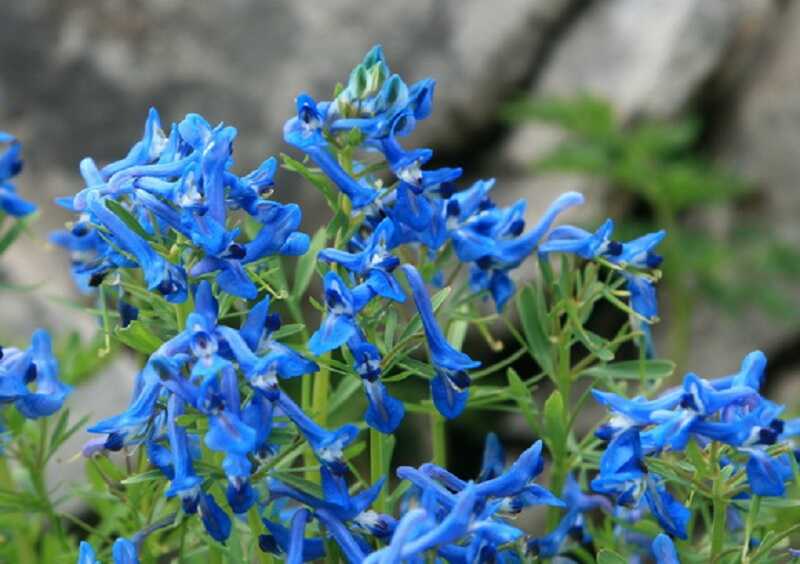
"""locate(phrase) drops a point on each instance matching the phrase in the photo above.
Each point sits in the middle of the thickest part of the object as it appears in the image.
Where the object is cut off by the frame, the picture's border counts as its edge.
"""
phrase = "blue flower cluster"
(727, 411)
(198, 371)
(10, 166)
(636, 259)
(425, 208)
(460, 521)
(29, 378)
(422, 211)
(169, 208)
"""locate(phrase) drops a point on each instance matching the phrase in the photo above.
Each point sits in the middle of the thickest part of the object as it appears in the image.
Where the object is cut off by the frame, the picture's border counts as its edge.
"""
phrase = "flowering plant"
(247, 438)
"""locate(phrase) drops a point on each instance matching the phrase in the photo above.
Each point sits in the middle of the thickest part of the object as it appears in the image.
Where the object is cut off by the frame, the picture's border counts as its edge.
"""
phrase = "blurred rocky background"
(77, 76)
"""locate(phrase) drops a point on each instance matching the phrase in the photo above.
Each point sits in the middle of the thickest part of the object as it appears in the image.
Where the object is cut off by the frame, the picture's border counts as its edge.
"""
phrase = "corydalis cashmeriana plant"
(243, 435)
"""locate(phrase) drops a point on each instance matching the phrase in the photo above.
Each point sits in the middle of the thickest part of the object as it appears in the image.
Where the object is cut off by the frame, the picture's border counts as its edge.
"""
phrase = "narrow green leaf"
(13, 233)
(138, 337)
(555, 425)
(127, 218)
(148, 476)
(610, 557)
(288, 330)
(530, 304)
(317, 179)
(306, 265)
(654, 369)
(522, 396)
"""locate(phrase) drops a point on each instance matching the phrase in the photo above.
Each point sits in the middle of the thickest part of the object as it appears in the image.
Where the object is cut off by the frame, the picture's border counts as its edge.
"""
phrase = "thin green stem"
(377, 466)
(720, 506)
(439, 438)
(755, 503)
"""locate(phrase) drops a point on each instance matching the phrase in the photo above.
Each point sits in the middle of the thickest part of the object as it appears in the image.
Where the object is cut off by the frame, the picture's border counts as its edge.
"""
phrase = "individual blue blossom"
(449, 387)
(328, 446)
(384, 412)
(341, 304)
(373, 264)
(159, 274)
(304, 131)
(86, 554)
(766, 475)
(215, 520)
(638, 253)
(493, 239)
(124, 552)
(10, 166)
(281, 540)
(265, 359)
(185, 483)
(571, 524)
(344, 516)
(29, 379)
(664, 550)
(374, 96)
(624, 475)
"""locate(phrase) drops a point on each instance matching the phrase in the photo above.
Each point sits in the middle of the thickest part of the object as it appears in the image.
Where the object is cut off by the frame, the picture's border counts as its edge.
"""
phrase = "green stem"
(21, 539)
(755, 503)
(720, 505)
(319, 408)
(322, 385)
(377, 466)
(439, 436)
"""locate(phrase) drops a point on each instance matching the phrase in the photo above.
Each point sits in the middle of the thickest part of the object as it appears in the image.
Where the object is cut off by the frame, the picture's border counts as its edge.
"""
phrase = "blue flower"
(328, 446)
(384, 412)
(664, 550)
(179, 187)
(49, 393)
(215, 520)
(124, 552)
(10, 166)
(86, 554)
(185, 483)
(304, 131)
(373, 263)
(160, 275)
(37, 367)
(624, 475)
(494, 240)
(767, 474)
(341, 304)
(449, 387)
(282, 540)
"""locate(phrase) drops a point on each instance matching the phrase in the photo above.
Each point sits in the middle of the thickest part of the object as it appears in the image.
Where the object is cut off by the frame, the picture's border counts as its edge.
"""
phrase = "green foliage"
(660, 164)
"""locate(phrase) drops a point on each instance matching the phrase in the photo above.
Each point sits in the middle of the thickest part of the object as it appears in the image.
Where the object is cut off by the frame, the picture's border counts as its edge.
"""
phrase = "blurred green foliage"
(659, 164)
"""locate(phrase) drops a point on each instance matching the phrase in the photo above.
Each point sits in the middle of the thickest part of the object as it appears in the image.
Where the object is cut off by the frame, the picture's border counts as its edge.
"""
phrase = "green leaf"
(316, 178)
(610, 557)
(148, 476)
(13, 232)
(127, 218)
(294, 480)
(654, 369)
(555, 425)
(138, 337)
(595, 343)
(522, 396)
(532, 314)
(306, 265)
(288, 330)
